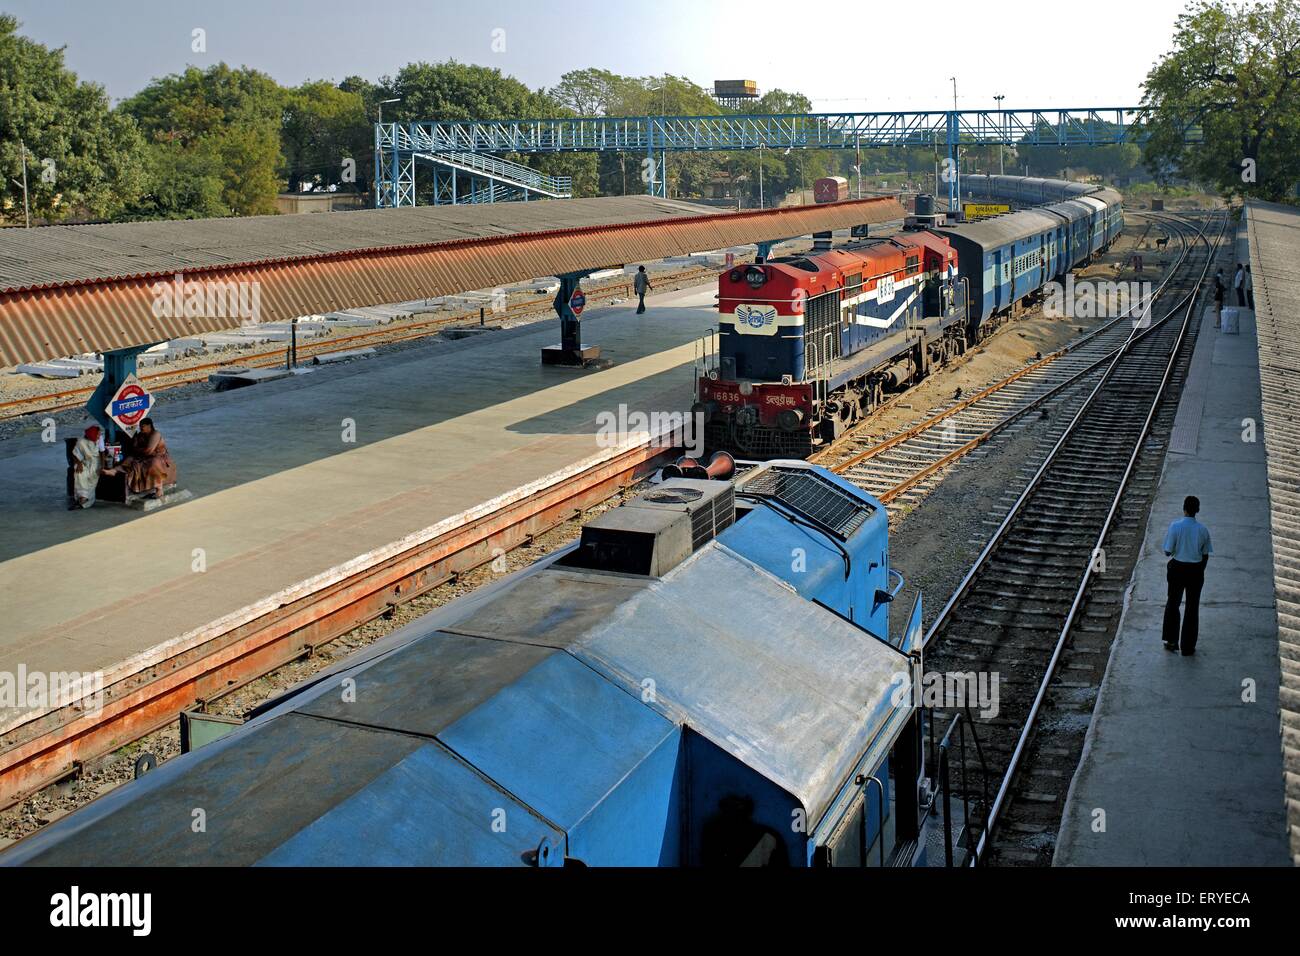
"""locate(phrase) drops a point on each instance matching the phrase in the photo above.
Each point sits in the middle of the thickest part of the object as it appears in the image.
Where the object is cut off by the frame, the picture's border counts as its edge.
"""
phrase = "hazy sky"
(863, 55)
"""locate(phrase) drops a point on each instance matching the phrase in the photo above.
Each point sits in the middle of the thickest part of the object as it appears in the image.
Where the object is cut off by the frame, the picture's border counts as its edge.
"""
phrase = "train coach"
(672, 689)
(808, 345)
(831, 189)
(1104, 207)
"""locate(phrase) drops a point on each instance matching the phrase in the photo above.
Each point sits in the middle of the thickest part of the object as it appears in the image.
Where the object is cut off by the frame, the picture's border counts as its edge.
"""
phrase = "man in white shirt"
(1188, 545)
(1239, 283)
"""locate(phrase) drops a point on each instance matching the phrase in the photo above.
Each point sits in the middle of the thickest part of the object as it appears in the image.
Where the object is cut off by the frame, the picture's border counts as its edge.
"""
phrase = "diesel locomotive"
(709, 676)
(809, 344)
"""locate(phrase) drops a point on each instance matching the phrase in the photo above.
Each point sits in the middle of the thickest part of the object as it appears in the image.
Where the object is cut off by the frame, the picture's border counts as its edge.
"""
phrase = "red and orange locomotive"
(808, 344)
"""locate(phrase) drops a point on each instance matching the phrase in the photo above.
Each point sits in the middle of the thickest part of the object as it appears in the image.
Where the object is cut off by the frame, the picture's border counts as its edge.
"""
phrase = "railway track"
(308, 349)
(1038, 608)
(905, 466)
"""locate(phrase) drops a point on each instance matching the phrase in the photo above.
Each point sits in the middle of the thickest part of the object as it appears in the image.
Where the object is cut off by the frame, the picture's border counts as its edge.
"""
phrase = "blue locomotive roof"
(1000, 230)
(539, 714)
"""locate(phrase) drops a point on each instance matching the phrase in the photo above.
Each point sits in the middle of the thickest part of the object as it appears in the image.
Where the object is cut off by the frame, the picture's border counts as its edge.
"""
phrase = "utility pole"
(396, 99)
(956, 149)
(27, 212)
(1002, 123)
(857, 156)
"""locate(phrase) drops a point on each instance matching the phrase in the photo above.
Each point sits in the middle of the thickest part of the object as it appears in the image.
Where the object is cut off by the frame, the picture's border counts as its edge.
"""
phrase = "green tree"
(82, 158)
(325, 125)
(181, 184)
(223, 121)
(1233, 72)
(459, 91)
(593, 92)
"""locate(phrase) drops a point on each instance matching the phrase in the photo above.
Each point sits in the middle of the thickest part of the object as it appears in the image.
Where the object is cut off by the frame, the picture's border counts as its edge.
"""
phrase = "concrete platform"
(299, 476)
(1182, 763)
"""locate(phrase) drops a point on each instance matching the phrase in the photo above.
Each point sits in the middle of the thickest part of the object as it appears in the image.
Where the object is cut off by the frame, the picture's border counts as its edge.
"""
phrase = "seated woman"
(85, 468)
(146, 463)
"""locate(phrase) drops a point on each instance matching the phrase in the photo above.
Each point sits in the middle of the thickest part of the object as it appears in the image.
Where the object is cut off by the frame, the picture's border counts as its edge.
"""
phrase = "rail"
(961, 451)
(1190, 300)
(1184, 306)
(14, 408)
(1016, 508)
(943, 782)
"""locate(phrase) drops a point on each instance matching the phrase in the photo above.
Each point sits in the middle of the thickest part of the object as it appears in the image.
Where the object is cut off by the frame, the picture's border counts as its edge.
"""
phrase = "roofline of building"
(93, 315)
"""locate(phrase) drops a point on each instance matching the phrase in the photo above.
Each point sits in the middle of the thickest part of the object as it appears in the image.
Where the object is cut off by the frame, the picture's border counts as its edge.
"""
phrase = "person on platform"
(1220, 288)
(1187, 543)
(1250, 290)
(85, 468)
(146, 463)
(1239, 283)
(641, 285)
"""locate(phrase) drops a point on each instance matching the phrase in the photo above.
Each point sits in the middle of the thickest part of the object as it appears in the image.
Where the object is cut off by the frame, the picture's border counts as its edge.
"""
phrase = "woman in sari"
(85, 467)
(147, 462)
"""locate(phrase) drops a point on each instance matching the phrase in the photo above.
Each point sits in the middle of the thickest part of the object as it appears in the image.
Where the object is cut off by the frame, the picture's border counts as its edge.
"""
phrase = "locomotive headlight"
(755, 277)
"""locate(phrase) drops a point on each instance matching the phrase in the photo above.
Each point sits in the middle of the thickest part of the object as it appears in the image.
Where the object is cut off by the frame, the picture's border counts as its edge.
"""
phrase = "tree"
(459, 91)
(181, 184)
(1234, 71)
(82, 159)
(324, 126)
(1113, 159)
(779, 101)
(592, 92)
(220, 121)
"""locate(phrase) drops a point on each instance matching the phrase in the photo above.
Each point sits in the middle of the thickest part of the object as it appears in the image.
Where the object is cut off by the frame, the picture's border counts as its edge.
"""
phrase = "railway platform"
(298, 485)
(1183, 764)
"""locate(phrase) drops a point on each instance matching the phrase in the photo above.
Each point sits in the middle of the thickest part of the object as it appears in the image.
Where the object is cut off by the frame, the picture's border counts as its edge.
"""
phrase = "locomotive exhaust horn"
(721, 467)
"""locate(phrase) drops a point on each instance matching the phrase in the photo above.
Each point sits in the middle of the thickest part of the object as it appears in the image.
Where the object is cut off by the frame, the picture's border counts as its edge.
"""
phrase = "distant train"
(673, 689)
(831, 189)
(809, 344)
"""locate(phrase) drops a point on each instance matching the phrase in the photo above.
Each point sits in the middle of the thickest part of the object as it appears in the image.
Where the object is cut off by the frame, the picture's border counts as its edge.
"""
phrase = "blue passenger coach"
(1060, 227)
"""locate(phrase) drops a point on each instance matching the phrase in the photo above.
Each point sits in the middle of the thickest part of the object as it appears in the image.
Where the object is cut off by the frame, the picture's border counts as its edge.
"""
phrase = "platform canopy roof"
(66, 290)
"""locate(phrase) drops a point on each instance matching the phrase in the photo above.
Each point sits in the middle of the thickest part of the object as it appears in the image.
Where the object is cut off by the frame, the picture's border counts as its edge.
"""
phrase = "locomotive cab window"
(913, 265)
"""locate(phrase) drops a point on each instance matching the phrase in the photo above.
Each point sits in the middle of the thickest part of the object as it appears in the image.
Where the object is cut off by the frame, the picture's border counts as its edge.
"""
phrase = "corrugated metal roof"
(70, 289)
(1274, 232)
(95, 253)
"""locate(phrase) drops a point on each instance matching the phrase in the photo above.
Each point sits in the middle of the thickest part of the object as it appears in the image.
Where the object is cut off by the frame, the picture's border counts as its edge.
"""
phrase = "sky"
(867, 55)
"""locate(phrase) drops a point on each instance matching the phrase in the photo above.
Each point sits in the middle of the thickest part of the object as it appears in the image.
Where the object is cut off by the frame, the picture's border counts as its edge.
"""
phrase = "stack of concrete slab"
(667, 265)
(546, 284)
(63, 367)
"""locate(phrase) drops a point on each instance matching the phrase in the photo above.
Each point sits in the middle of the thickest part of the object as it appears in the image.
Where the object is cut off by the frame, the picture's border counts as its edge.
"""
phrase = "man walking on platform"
(641, 285)
(1219, 289)
(1187, 544)
(1239, 283)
